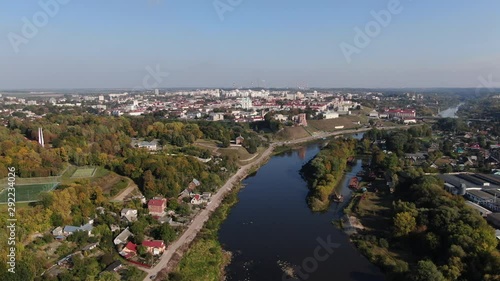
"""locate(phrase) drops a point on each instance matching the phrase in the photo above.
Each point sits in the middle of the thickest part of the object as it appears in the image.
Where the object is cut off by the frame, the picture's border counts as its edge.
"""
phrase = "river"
(271, 228)
(450, 112)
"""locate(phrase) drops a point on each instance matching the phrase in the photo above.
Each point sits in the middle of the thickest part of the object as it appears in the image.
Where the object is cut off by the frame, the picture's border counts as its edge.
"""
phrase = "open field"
(84, 172)
(28, 192)
(329, 124)
(374, 209)
(240, 153)
(293, 133)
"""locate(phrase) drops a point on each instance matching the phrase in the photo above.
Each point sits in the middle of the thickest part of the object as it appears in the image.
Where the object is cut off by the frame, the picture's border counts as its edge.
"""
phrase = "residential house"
(114, 266)
(58, 231)
(114, 228)
(206, 196)
(196, 200)
(90, 247)
(123, 237)
(157, 206)
(373, 114)
(155, 247)
(129, 251)
(87, 228)
(149, 145)
(70, 229)
(194, 184)
(239, 140)
(129, 214)
(216, 116)
(416, 157)
(331, 115)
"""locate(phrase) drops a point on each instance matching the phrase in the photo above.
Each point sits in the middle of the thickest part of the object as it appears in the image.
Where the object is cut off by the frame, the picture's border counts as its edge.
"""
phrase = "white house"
(123, 237)
(373, 114)
(330, 115)
(150, 145)
(129, 214)
(196, 200)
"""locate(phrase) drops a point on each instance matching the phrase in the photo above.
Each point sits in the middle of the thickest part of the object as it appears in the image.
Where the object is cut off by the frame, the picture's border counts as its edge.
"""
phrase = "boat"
(354, 183)
(351, 161)
(338, 198)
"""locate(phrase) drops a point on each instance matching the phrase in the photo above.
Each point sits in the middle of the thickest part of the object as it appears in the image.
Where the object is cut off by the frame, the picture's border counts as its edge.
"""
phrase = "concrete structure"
(330, 115)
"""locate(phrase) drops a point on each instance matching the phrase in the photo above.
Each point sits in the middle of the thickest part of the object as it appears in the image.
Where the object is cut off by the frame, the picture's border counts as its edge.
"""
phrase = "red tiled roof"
(131, 246)
(157, 202)
(153, 243)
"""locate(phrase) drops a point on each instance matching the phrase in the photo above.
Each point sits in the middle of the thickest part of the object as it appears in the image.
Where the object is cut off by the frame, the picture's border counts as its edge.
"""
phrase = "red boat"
(353, 183)
(351, 161)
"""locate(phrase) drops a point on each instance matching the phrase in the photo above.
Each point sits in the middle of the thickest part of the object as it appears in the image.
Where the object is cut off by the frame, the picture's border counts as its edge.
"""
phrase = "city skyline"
(229, 44)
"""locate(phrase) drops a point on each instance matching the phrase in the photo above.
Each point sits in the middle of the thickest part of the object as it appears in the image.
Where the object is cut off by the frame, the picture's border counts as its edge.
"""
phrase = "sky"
(248, 43)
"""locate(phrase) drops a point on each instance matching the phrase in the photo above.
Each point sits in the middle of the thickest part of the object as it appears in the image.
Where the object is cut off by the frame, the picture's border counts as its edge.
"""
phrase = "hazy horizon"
(232, 44)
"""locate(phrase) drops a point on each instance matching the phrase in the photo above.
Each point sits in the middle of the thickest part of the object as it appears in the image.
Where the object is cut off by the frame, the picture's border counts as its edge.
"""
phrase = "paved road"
(217, 198)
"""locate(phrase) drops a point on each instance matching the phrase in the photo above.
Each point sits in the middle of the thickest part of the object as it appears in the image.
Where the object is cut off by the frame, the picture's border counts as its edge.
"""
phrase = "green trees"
(404, 223)
(166, 233)
(456, 240)
(326, 170)
(426, 271)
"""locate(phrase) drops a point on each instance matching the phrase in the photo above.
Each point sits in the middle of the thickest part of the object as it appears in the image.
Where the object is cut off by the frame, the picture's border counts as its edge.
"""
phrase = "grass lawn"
(28, 192)
(19, 206)
(293, 133)
(203, 261)
(84, 172)
(118, 187)
(329, 124)
(374, 211)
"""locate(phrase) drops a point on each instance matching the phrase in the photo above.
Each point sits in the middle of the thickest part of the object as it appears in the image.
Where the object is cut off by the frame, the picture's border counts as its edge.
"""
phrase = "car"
(152, 276)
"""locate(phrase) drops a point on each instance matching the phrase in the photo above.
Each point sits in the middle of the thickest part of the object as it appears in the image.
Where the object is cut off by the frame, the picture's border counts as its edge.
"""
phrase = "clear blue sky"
(273, 43)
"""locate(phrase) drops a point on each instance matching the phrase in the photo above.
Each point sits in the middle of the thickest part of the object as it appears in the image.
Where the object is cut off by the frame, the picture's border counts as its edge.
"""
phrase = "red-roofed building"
(157, 207)
(196, 200)
(155, 247)
(402, 113)
(130, 250)
(475, 146)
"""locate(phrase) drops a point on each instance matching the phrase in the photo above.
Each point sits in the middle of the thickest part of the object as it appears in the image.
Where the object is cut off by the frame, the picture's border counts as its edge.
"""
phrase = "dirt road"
(130, 188)
(203, 216)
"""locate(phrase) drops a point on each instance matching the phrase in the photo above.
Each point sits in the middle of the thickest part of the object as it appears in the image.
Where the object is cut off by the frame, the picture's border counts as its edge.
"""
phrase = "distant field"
(292, 133)
(84, 172)
(330, 124)
(28, 192)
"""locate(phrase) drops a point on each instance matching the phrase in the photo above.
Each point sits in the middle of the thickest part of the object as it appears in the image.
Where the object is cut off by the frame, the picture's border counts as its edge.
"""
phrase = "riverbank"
(206, 259)
(176, 250)
(179, 247)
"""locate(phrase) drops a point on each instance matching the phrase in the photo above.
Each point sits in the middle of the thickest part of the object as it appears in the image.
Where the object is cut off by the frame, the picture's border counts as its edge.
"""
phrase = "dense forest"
(325, 171)
(447, 239)
(106, 142)
(423, 232)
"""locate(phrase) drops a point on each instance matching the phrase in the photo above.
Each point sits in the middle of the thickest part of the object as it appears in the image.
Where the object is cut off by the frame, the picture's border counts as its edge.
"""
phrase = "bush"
(383, 243)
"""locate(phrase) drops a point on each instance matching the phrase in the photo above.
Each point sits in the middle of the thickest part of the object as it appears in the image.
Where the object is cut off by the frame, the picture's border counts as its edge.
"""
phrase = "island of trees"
(326, 170)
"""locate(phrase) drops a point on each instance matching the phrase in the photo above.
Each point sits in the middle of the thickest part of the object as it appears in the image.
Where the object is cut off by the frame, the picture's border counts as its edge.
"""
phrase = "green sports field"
(28, 192)
(84, 172)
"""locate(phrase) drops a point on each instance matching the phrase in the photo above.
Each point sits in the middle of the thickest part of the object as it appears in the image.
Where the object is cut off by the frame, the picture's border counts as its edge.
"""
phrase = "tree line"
(325, 171)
